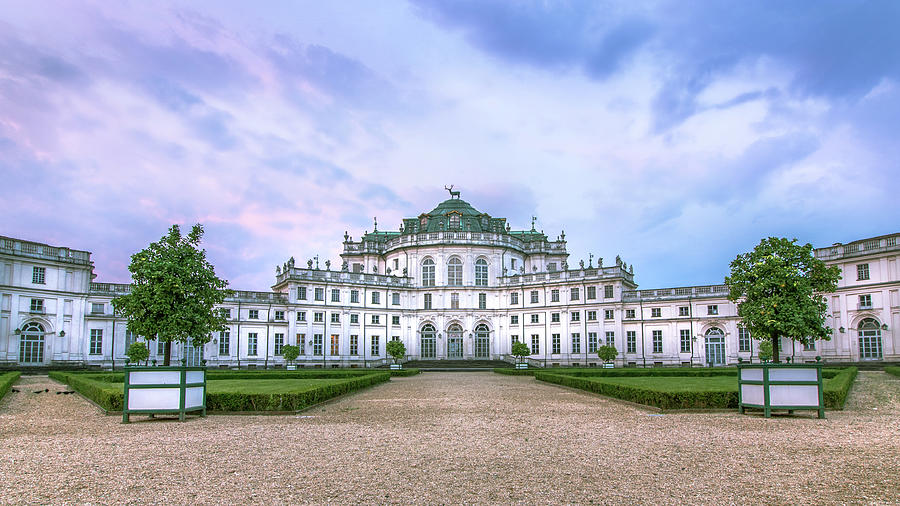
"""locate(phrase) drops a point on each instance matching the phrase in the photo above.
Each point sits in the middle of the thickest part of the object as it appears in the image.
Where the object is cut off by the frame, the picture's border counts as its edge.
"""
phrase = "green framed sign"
(791, 387)
(164, 390)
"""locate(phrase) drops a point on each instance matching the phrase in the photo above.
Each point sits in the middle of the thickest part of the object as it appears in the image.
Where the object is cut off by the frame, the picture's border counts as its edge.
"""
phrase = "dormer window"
(454, 221)
(424, 221)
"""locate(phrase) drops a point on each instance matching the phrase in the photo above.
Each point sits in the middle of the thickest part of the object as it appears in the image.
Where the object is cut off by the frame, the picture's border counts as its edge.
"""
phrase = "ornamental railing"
(110, 288)
(455, 236)
(298, 274)
(578, 275)
(43, 251)
(675, 293)
(857, 248)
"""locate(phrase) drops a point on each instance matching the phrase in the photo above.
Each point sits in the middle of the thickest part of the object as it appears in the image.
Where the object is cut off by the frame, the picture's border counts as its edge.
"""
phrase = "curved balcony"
(455, 237)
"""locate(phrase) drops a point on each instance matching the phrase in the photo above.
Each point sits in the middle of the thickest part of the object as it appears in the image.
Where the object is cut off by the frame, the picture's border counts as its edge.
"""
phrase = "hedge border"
(401, 373)
(509, 371)
(892, 370)
(7, 380)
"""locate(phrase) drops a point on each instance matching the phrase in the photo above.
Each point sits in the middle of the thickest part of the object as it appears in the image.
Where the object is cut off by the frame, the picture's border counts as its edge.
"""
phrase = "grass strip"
(6, 381)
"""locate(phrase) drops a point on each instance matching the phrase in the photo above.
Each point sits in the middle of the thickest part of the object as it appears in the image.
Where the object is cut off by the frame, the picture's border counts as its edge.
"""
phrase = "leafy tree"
(290, 352)
(137, 352)
(520, 351)
(607, 353)
(779, 286)
(174, 292)
(765, 350)
(396, 349)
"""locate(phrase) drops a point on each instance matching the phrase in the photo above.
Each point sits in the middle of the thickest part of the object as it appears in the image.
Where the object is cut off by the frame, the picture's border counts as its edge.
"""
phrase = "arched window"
(31, 345)
(869, 339)
(428, 272)
(427, 349)
(482, 341)
(715, 346)
(454, 341)
(454, 272)
(454, 221)
(481, 272)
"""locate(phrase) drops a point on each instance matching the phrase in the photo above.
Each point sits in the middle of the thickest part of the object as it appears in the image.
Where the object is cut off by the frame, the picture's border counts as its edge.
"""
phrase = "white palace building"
(452, 284)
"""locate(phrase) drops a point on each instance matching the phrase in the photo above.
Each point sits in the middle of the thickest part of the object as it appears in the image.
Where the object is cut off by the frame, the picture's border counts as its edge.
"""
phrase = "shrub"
(892, 370)
(520, 350)
(138, 352)
(290, 401)
(607, 353)
(835, 390)
(404, 372)
(396, 349)
(765, 350)
(290, 352)
(509, 371)
(6, 381)
(95, 388)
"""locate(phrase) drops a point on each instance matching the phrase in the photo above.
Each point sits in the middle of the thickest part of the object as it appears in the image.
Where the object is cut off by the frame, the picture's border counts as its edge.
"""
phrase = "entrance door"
(427, 349)
(715, 347)
(454, 342)
(193, 355)
(482, 341)
(31, 344)
(869, 340)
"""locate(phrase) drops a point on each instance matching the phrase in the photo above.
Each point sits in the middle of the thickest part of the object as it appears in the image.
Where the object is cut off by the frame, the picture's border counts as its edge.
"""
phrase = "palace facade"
(452, 284)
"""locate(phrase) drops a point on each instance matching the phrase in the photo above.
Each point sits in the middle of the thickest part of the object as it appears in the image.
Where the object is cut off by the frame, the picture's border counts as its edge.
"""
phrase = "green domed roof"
(458, 205)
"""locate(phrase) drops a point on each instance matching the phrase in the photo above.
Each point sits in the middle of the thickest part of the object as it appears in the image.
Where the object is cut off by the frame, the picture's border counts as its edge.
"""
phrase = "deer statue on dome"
(452, 193)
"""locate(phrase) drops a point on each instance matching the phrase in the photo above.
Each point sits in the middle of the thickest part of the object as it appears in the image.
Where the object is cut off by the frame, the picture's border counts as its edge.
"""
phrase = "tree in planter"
(520, 351)
(174, 291)
(778, 288)
(765, 351)
(290, 353)
(396, 349)
(137, 352)
(607, 353)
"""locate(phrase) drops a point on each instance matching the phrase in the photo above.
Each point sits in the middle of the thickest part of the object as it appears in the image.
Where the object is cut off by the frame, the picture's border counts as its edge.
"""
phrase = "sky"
(675, 134)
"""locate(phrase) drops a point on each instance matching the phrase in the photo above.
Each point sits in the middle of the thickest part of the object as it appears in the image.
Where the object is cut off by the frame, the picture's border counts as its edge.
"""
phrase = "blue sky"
(675, 134)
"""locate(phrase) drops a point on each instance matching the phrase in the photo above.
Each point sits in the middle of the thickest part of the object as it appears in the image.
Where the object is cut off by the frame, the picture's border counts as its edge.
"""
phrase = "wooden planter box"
(396, 367)
(522, 365)
(164, 390)
(780, 386)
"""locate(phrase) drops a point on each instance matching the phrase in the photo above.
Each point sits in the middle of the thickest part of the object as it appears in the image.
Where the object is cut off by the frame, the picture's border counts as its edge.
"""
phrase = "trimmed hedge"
(6, 381)
(835, 390)
(404, 372)
(892, 370)
(94, 387)
(509, 371)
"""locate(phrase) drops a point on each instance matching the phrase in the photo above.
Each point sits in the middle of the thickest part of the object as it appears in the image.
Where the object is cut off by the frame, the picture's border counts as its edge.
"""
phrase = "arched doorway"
(869, 339)
(482, 341)
(454, 341)
(31, 344)
(715, 347)
(427, 344)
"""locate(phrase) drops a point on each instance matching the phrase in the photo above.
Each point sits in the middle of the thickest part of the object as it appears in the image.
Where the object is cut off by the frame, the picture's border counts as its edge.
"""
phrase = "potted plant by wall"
(765, 351)
(520, 351)
(137, 352)
(397, 350)
(290, 353)
(607, 353)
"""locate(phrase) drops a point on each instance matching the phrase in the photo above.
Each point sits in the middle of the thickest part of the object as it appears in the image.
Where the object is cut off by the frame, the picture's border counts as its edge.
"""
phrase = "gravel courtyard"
(452, 438)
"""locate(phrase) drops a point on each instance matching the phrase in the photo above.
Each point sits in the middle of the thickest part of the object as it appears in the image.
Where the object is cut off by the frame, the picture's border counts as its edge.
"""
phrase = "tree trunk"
(168, 359)
(775, 349)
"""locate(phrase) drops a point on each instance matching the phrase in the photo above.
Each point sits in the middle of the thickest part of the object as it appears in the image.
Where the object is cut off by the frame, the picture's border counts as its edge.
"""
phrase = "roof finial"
(376, 223)
(452, 193)
(533, 218)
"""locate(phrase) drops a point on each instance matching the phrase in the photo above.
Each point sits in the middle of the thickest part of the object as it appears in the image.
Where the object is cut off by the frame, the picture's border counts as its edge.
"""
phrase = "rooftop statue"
(453, 194)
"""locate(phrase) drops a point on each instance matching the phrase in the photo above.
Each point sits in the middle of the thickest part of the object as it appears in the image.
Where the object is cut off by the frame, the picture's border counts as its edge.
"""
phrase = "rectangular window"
(252, 343)
(38, 275)
(576, 316)
(684, 311)
(555, 344)
(375, 348)
(575, 294)
(610, 338)
(554, 295)
(743, 339)
(357, 267)
(160, 348)
(592, 316)
(301, 316)
(301, 292)
(395, 298)
(395, 320)
(482, 301)
(335, 317)
(534, 297)
(454, 301)
(427, 301)
(396, 264)
(685, 341)
(224, 343)
(512, 263)
(551, 267)
(535, 318)
(862, 272)
(514, 298)
(225, 313)
(354, 344)
(554, 318)
(253, 314)
(608, 314)
(96, 344)
(591, 292)
(515, 338)
(809, 346)
(37, 305)
(318, 317)
(279, 344)
(354, 318)
(655, 312)
(712, 309)
(535, 344)
(354, 296)
(630, 342)
(865, 301)
(376, 297)
(318, 344)
(301, 343)
(96, 308)
(592, 342)
(576, 342)
(657, 341)
(514, 319)
(335, 345)
(608, 292)
(335, 295)
(279, 315)
(629, 313)
(376, 319)
(320, 293)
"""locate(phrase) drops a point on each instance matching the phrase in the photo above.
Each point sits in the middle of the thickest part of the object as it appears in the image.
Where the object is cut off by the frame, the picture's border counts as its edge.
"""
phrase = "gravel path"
(452, 438)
